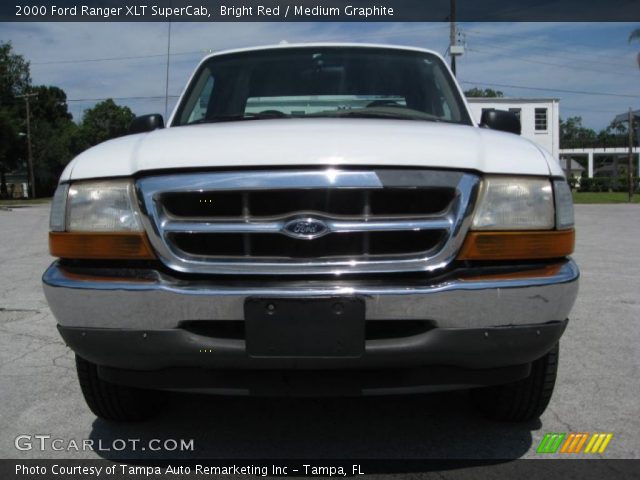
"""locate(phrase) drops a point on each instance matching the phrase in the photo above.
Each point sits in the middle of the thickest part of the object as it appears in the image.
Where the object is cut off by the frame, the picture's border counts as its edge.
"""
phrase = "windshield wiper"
(378, 113)
(358, 113)
(365, 114)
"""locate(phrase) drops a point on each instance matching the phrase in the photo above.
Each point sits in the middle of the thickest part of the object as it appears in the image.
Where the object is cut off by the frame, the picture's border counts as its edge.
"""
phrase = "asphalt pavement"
(597, 388)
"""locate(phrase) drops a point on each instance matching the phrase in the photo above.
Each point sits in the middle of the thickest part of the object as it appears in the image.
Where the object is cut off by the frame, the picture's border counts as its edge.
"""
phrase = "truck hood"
(297, 142)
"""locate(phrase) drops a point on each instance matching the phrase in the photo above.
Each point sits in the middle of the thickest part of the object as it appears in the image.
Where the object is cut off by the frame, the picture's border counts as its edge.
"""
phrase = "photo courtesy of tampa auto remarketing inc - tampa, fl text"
(319, 238)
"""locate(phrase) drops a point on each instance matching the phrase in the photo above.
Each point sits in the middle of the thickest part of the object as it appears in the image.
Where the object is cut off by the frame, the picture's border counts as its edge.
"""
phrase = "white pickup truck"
(315, 219)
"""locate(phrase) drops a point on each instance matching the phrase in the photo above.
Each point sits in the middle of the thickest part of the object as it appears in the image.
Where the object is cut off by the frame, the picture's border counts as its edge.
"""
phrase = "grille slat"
(253, 226)
(338, 203)
(276, 246)
(249, 222)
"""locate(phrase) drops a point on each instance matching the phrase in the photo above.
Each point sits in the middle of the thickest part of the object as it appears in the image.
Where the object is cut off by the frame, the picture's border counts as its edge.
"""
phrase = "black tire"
(525, 399)
(114, 402)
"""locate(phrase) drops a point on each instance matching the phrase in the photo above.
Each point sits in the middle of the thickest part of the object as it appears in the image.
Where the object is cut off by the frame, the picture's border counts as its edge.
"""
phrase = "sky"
(590, 67)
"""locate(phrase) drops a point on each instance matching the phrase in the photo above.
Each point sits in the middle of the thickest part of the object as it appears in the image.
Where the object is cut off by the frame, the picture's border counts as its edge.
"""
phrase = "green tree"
(52, 127)
(15, 80)
(52, 130)
(15, 77)
(615, 135)
(8, 143)
(106, 120)
(483, 92)
(574, 135)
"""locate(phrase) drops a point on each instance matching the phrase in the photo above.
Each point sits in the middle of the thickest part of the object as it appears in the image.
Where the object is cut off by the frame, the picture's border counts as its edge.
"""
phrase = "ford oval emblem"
(305, 228)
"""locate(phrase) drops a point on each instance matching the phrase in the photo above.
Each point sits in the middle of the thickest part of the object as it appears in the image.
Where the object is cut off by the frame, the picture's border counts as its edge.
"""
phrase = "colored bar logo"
(574, 442)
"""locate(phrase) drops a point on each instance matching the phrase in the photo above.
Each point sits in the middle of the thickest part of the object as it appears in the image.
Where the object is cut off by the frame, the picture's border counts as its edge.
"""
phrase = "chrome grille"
(335, 202)
(347, 245)
(307, 221)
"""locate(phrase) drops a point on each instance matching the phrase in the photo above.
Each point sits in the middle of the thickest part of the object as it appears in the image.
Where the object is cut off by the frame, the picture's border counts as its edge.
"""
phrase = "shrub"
(606, 184)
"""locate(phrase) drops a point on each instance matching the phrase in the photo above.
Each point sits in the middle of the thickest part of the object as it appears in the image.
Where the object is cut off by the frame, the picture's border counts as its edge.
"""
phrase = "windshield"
(314, 82)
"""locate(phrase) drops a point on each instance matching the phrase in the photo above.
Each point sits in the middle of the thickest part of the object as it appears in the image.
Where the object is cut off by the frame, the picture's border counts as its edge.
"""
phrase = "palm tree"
(635, 35)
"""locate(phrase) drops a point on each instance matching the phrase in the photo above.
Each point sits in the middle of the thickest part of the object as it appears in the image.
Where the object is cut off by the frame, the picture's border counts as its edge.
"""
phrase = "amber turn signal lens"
(90, 245)
(523, 245)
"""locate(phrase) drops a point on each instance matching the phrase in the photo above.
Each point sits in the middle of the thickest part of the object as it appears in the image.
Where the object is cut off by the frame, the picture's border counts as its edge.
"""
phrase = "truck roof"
(320, 44)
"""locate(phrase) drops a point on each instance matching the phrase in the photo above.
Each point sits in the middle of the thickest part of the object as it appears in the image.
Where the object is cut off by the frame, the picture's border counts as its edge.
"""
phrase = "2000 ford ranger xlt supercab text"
(315, 219)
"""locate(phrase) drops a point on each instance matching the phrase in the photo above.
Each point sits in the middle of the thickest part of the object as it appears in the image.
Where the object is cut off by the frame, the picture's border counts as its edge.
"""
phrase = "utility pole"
(630, 159)
(452, 34)
(166, 86)
(32, 179)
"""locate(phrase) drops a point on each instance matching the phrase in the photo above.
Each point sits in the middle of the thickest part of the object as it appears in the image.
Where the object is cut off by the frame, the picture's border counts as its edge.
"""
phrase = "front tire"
(114, 402)
(525, 399)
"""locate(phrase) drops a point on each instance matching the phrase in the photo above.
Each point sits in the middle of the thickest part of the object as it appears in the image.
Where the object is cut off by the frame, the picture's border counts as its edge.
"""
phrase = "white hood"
(297, 142)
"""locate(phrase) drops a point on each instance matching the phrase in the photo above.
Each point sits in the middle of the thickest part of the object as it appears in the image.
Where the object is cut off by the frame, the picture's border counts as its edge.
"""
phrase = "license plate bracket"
(305, 327)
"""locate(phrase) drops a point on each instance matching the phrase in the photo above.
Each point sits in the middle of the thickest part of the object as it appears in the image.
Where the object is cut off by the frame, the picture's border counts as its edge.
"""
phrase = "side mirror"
(146, 123)
(501, 120)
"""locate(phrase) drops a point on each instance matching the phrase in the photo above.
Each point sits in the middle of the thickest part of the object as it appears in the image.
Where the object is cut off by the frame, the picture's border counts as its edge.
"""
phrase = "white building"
(539, 117)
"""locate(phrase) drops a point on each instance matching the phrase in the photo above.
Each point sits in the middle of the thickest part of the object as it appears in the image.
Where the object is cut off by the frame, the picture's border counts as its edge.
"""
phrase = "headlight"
(521, 218)
(97, 220)
(512, 203)
(102, 207)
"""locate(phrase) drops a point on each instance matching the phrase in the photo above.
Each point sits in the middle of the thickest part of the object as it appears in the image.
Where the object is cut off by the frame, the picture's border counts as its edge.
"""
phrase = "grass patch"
(23, 202)
(604, 197)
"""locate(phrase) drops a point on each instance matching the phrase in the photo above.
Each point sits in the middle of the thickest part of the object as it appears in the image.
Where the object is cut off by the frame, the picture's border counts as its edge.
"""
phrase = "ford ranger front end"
(315, 219)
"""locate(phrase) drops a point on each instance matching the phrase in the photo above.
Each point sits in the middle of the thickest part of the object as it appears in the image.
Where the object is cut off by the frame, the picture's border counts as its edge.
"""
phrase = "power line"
(110, 59)
(395, 33)
(208, 50)
(452, 34)
(612, 112)
(552, 53)
(363, 35)
(540, 62)
(149, 97)
(599, 63)
(166, 85)
(551, 48)
(557, 90)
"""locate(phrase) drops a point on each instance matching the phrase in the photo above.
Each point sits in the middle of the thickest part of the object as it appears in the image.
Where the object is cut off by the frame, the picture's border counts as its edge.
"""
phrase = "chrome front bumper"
(152, 300)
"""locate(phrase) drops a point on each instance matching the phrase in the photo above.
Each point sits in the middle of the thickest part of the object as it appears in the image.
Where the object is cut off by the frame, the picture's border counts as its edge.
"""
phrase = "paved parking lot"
(597, 390)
